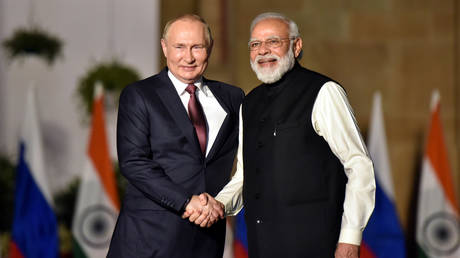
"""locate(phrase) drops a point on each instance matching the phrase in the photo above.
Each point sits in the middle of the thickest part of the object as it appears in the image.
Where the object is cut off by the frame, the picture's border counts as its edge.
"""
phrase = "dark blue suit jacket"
(160, 155)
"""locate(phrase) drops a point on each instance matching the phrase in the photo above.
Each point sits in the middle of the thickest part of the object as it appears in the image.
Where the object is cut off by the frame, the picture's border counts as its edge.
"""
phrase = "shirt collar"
(180, 86)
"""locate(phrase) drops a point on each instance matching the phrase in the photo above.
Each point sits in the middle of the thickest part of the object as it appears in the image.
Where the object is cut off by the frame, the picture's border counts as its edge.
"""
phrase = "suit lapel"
(173, 103)
(217, 91)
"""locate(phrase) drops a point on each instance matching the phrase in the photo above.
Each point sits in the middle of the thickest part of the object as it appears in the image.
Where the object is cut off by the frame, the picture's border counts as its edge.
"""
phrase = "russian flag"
(383, 235)
(34, 232)
(240, 242)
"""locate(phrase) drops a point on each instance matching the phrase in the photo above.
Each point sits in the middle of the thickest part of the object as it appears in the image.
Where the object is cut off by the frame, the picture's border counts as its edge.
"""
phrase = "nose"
(189, 57)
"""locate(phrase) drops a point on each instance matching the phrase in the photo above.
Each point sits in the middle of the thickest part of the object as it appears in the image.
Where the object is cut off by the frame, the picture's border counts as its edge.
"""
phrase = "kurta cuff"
(350, 236)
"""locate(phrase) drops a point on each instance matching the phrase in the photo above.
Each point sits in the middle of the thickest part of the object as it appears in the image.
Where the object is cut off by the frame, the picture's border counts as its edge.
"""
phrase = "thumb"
(203, 199)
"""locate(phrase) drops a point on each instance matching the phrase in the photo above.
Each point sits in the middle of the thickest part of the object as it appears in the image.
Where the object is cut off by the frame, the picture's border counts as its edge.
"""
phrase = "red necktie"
(196, 114)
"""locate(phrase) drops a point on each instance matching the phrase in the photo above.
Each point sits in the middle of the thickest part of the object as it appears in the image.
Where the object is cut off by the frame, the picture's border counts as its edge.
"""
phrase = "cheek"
(174, 55)
(202, 59)
(280, 53)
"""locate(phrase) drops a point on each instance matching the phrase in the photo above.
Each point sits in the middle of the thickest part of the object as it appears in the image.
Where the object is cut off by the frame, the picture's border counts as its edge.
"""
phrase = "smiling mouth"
(188, 67)
(267, 61)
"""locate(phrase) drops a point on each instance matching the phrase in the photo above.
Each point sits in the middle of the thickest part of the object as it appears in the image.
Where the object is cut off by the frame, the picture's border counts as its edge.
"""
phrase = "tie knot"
(191, 88)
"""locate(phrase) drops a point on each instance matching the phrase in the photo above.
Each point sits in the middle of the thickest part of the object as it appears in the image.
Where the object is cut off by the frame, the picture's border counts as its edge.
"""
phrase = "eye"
(198, 47)
(273, 42)
(255, 44)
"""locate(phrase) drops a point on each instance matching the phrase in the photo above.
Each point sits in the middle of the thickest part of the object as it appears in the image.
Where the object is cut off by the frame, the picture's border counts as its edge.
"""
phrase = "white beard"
(273, 74)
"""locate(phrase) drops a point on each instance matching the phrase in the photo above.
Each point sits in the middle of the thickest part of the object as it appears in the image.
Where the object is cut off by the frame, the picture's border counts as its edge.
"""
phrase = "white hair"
(293, 28)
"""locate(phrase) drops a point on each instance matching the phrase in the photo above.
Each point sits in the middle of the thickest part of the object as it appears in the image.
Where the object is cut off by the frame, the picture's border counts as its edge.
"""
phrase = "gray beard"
(273, 74)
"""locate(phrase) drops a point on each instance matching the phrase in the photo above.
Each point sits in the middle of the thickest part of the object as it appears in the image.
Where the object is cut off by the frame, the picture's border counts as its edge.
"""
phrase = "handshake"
(203, 210)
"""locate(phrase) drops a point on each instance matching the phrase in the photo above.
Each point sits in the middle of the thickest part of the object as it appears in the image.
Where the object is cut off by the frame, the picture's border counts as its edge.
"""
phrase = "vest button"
(258, 221)
(260, 145)
(262, 120)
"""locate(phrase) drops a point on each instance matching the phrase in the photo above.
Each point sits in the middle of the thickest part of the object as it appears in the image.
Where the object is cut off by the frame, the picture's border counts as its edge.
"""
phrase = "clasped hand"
(203, 210)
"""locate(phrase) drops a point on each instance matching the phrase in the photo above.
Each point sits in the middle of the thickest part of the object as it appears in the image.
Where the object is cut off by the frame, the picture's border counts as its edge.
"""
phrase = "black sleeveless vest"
(294, 185)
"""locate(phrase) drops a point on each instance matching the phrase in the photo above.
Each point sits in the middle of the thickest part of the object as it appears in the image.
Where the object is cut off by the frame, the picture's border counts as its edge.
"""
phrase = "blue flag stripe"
(241, 230)
(383, 233)
(34, 225)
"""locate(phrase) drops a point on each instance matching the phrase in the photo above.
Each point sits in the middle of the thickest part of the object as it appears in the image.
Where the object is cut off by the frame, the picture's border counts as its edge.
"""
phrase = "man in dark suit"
(177, 137)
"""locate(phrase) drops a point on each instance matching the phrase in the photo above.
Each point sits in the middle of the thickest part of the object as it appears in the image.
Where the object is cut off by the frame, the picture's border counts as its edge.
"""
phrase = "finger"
(221, 213)
(186, 214)
(218, 212)
(221, 210)
(211, 222)
(200, 219)
(215, 213)
(204, 223)
(193, 217)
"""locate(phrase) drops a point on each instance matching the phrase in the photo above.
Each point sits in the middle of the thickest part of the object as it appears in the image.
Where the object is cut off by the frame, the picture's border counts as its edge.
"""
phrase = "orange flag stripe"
(436, 151)
(99, 152)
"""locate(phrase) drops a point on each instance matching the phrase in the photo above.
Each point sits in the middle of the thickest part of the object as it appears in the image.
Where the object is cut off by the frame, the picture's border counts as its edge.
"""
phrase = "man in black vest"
(309, 184)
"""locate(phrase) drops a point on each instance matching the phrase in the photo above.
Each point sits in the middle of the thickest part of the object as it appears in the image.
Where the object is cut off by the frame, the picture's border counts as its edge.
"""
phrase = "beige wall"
(403, 48)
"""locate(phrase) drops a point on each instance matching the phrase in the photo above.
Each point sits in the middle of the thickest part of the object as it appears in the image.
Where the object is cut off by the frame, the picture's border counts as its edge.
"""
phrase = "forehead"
(186, 30)
(269, 28)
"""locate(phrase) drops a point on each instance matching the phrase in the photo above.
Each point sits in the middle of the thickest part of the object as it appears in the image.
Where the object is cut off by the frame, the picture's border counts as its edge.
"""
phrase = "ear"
(164, 47)
(297, 47)
(209, 50)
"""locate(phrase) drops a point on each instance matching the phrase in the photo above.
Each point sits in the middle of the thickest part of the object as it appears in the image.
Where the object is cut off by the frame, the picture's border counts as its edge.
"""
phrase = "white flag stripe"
(31, 134)
(91, 195)
(377, 146)
(435, 99)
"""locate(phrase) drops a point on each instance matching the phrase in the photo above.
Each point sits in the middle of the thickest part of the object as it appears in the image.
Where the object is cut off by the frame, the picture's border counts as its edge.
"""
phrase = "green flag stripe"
(421, 253)
(77, 250)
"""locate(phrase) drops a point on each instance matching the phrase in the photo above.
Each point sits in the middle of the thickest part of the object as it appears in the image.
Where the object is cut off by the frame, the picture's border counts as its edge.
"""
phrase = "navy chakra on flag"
(441, 233)
(96, 226)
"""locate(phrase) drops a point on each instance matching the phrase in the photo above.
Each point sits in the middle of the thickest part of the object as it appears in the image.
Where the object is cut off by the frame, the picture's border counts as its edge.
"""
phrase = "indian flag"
(438, 228)
(97, 204)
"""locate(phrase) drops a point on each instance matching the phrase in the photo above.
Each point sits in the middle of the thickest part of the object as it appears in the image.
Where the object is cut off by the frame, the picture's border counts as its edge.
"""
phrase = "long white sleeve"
(232, 194)
(333, 119)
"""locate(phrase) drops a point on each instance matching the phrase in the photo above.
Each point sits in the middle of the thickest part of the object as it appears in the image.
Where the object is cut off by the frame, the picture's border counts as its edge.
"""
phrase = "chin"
(273, 73)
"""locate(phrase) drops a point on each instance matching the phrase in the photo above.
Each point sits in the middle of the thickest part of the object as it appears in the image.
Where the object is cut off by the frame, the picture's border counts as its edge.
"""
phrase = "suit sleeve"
(135, 155)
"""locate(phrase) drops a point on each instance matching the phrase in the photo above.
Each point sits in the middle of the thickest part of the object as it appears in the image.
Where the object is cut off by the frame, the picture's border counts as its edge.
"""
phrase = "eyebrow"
(271, 37)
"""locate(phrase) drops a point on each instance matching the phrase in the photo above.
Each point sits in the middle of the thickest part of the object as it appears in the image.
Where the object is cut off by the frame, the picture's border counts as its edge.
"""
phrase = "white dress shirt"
(213, 111)
(333, 119)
